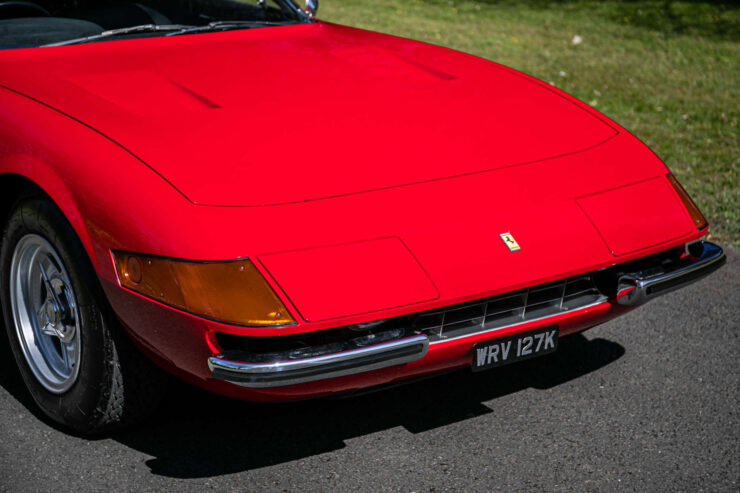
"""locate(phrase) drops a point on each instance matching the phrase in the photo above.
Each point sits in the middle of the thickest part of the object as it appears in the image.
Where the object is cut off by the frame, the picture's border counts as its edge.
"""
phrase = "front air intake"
(512, 308)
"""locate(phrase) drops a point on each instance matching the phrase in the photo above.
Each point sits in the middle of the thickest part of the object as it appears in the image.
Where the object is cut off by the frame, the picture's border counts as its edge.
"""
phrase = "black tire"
(115, 385)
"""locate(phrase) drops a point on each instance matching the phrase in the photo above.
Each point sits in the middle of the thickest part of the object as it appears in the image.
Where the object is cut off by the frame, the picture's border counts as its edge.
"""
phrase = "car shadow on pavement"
(196, 434)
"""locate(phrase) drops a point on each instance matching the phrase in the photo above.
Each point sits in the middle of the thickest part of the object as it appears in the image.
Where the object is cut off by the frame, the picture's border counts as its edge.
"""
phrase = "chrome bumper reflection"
(640, 287)
(290, 372)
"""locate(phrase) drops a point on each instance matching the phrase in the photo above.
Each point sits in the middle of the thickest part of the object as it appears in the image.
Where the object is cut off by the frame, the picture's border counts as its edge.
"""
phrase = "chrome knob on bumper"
(640, 287)
(288, 372)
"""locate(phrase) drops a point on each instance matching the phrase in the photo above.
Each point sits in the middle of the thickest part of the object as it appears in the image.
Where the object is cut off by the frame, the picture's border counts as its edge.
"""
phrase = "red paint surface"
(342, 280)
(403, 140)
(226, 119)
(628, 217)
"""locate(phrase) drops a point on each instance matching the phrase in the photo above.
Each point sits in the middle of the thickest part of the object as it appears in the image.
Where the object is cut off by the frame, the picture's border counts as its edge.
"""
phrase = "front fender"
(95, 182)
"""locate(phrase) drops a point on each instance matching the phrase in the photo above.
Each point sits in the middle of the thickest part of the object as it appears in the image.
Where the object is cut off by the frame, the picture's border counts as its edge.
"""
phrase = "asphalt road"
(647, 402)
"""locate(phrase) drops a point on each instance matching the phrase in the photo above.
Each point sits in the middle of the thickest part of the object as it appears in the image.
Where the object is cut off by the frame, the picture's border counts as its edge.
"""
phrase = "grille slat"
(508, 309)
(583, 291)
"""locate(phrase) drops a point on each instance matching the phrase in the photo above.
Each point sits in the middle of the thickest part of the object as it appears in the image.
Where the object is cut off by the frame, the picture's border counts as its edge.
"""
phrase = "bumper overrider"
(702, 259)
(406, 339)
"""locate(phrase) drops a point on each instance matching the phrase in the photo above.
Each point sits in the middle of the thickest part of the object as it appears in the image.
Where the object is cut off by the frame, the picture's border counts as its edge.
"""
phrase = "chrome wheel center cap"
(55, 321)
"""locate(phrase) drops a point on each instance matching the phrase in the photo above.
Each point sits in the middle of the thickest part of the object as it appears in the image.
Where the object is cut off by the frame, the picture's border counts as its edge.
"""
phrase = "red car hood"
(288, 114)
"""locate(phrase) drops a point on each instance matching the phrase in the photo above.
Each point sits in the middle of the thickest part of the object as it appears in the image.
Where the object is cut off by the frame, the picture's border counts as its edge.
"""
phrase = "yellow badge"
(510, 242)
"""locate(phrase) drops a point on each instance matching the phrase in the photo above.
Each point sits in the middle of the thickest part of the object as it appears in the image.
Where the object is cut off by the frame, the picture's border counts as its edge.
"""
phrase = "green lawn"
(668, 71)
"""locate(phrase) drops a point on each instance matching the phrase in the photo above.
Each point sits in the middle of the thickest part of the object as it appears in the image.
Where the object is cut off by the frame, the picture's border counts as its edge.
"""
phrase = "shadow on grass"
(196, 434)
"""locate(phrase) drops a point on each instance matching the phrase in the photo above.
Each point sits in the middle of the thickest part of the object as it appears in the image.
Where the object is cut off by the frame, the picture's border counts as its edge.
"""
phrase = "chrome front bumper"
(702, 259)
(289, 372)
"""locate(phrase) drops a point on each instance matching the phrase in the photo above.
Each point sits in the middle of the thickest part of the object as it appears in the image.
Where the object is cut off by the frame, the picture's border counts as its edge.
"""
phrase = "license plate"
(505, 350)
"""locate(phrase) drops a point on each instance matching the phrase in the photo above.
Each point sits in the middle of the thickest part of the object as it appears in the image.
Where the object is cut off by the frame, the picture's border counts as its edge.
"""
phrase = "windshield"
(49, 23)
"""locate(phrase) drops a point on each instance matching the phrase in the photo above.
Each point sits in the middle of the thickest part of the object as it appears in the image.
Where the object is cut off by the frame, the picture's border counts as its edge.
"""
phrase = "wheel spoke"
(41, 315)
(44, 275)
(69, 299)
(49, 287)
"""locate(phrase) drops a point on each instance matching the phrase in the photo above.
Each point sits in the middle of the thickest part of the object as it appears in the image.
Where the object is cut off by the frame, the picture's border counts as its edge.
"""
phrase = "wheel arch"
(15, 185)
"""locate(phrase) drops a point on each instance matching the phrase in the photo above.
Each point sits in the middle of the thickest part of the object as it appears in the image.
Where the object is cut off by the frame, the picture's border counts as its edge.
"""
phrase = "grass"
(667, 71)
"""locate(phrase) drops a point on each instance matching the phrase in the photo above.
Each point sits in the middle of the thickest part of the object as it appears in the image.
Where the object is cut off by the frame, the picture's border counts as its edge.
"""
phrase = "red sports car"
(273, 207)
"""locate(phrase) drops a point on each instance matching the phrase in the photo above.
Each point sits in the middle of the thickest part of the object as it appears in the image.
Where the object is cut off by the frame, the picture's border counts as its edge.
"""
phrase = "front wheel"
(78, 365)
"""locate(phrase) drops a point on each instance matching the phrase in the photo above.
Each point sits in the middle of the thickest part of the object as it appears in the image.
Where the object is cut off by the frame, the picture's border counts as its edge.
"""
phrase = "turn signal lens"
(699, 220)
(233, 292)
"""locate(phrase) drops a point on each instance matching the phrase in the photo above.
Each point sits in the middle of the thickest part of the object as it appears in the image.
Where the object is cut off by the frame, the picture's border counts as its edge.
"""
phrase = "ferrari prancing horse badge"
(510, 242)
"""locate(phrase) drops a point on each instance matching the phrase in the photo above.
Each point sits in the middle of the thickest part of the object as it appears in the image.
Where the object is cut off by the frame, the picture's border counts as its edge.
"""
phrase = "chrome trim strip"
(290, 372)
(523, 322)
(634, 289)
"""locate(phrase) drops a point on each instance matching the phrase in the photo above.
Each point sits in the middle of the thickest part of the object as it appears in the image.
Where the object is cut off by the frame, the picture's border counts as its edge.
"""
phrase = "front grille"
(485, 314)
(516, 307)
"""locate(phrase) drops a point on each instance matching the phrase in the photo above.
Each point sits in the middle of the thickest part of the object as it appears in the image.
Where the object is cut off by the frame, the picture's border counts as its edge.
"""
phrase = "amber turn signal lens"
(699, 220)
(233, 292)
